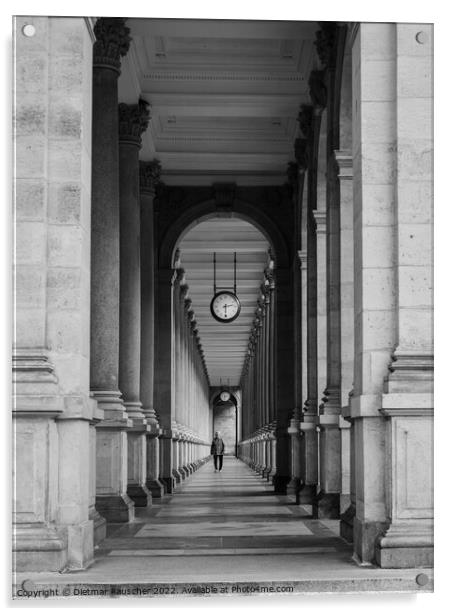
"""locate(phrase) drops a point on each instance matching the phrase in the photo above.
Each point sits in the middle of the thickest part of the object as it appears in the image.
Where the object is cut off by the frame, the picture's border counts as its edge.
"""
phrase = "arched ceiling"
(224, 344)
(224, 95)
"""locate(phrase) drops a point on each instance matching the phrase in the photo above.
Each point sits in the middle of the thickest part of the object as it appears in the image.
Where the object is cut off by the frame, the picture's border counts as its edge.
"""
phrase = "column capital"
(301, 151)
(325, 43)
(112, 42)
(305, 116)
(150, 172)
(133, 121)
(318, 91)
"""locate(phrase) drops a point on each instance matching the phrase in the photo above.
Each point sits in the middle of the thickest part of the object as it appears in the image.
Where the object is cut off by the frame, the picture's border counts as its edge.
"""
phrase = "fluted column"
(133, 121)
(112, 42)
(149, 177)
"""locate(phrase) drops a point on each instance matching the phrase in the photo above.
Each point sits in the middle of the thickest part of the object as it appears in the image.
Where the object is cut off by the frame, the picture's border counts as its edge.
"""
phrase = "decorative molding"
(133, 121)
(320, 220)
(220, 76)
(112, 42)
(344, 163)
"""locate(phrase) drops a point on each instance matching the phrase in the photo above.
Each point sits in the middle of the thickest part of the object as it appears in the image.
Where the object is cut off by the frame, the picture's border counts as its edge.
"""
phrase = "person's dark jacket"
(217, 447)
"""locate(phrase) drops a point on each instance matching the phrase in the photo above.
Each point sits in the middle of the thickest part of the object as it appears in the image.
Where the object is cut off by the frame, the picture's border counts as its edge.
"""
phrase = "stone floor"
(223, 530)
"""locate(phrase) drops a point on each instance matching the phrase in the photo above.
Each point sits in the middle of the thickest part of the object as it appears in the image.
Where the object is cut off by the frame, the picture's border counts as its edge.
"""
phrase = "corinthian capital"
(133, 121)
(112, 42)
(150, 175)
(325, 43)
(317, 90)
(305, 120)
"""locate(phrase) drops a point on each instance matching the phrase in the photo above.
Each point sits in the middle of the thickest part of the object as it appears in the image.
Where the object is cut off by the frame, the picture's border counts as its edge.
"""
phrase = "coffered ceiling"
(224, 95)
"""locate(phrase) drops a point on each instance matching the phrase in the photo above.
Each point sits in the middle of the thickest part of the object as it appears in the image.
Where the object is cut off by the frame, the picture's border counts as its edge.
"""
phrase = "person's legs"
(215, 461)
(221, 461)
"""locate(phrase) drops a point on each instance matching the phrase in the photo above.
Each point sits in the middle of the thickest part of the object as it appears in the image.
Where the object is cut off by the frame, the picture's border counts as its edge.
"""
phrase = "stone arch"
(206, 210)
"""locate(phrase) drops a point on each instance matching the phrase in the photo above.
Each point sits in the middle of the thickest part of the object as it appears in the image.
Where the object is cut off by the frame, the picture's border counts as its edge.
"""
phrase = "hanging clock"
(225, 306)
(225, 396)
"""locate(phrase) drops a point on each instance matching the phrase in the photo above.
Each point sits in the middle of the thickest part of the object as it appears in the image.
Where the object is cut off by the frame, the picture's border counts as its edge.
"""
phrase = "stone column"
(149, 178)
(374, 168)
(112, 41)
(133, 121)
(407, 400)
(327, 501)
(52, 412)
(285, 376)
(345, 174)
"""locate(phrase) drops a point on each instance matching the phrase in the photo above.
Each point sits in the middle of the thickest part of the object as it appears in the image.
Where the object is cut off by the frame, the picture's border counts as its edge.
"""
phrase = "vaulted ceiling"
(224, 95)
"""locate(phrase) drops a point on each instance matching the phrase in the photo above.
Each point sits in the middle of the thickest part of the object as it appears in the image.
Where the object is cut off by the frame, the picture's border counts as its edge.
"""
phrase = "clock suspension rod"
(214, 273)
(235, 273)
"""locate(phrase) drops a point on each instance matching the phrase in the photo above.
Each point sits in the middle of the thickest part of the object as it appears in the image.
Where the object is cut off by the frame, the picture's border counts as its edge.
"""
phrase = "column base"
(307, 494)
(280, 483)
(293, 487)
(116, 508)
(364, 536)
(326, 505)
(346, 525)
(182, 472)
(169, 484)
(177, 476)
(187, 470)
(140, 495)
(99, 526)
(405, 546)
(80, 546)
(155, 487)
(38, 548)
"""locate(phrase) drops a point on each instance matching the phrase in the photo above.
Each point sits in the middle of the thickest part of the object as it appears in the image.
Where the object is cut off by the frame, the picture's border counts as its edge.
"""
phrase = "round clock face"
(225, 307)
(224, 396)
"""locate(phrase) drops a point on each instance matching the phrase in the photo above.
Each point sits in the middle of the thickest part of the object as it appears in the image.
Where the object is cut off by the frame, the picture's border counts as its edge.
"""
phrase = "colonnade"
(258, 384)
(364, 308)
(111, 394)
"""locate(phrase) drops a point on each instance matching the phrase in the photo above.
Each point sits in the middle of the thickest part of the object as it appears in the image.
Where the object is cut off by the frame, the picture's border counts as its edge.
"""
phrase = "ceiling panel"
(224, 95)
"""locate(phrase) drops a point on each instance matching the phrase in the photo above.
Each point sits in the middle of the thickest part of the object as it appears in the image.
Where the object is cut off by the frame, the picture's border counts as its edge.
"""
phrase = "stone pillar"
(52, 411)
(149, 178)
(285, 392)
(133, 120)
(374, 164)
(308, 453)
(407, 400)
(112, 41)
(345, 175)
(327, 501)
(164, 371)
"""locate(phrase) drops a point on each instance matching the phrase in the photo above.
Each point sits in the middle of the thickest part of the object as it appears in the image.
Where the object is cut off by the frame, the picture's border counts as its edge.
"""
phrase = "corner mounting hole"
(29, 30)
(421, 37)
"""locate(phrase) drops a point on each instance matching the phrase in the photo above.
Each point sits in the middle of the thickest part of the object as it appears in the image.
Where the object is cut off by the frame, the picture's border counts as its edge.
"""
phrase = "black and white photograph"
(222, 307)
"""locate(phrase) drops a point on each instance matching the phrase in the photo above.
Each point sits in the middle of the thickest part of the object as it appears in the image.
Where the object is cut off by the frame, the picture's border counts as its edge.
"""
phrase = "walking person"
(217, 450)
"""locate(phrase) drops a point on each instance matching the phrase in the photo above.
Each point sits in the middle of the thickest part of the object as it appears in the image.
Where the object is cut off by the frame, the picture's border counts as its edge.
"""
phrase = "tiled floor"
(229, 527)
